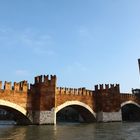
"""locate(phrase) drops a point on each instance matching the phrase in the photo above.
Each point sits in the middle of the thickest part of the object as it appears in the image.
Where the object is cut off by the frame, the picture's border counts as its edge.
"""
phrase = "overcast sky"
(83, 42)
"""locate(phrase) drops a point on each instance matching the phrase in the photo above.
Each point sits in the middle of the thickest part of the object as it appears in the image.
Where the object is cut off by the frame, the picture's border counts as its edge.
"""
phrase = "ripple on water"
(72, 131)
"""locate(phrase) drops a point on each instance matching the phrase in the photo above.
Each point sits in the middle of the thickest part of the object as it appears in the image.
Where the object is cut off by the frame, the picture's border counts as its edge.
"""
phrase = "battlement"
(127, 96)
(107, 88)
(21, 86)
(73, 91)
(45, 79)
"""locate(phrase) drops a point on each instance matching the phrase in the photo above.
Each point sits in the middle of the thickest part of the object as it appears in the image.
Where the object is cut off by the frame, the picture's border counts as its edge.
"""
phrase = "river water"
(72, 131)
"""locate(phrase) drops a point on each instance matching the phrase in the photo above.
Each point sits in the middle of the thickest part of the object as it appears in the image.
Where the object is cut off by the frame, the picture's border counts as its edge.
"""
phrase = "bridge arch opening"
(75, 111)
(13, 114)
(130, 111)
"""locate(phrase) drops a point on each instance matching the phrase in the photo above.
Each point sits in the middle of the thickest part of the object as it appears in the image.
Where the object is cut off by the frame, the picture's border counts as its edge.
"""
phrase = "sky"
(83, 42)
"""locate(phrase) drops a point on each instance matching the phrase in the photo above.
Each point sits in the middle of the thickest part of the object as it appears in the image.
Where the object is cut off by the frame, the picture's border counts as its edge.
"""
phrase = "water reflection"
(72, 131)
(12, 132)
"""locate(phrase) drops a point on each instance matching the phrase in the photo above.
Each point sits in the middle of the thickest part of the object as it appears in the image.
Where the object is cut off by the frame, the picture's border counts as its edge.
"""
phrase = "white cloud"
(5, 30)
(39, 44)
(32, 39)
(76, 66)
(83, 31)
(50, 53)
(21, 72)
(43, 51)
(46, 37)
(36, 42)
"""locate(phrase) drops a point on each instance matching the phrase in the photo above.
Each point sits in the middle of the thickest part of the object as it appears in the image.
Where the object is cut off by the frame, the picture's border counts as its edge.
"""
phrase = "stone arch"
(129, 102)
(69, 103)
(20, 113)
(130, 111)
(14, 106)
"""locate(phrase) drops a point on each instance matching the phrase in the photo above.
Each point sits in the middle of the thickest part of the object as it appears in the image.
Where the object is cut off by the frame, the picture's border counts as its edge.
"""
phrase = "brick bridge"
(42, 102)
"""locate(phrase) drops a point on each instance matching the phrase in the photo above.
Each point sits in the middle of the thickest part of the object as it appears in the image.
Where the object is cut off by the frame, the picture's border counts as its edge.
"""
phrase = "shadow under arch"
(75, 111)
(130, 111)
(18, 113)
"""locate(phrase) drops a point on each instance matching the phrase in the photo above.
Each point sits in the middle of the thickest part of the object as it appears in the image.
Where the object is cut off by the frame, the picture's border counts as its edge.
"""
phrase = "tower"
(42, 100)
(108, 106)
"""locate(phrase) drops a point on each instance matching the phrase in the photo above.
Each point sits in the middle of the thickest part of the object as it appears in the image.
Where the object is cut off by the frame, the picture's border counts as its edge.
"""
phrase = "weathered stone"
(109, 116)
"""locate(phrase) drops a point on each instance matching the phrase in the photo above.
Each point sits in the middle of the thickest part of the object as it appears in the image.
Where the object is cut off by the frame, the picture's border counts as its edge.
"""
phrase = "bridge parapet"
(127, 95)
(7, 86)
(19, 87)
(74, 91)
(107, 88)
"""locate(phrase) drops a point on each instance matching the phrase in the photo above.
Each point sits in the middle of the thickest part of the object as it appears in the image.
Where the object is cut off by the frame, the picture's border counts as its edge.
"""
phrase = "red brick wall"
(42, 93)
(17, 97)
(82, 95)
(129, 97)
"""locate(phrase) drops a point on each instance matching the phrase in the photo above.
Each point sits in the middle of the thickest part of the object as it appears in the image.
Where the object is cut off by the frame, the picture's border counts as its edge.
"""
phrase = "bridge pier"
(109, 116)
(43, 117)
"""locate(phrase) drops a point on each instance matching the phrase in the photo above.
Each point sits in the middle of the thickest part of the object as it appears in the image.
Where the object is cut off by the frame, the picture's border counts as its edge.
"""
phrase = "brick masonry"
(41, 100)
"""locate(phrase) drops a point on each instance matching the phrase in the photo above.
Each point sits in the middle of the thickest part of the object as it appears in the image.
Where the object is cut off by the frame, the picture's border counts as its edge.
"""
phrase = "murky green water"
(65, 131)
